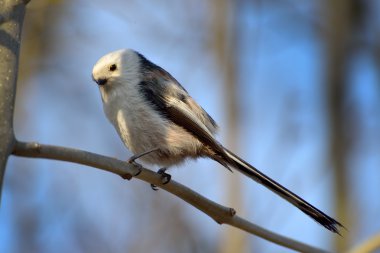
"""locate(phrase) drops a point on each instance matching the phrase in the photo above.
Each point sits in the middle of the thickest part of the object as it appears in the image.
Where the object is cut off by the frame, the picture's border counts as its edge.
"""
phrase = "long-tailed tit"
(151, 111)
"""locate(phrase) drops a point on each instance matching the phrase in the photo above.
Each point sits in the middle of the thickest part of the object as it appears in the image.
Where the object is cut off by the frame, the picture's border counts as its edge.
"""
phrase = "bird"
(161, 124)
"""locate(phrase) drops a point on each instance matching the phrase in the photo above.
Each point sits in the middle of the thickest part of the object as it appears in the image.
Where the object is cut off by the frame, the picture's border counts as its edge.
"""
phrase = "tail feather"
(250, 171)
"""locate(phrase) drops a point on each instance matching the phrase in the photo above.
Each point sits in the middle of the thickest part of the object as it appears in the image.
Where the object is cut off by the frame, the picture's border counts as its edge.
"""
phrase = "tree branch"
(11, 18)
(221, 214)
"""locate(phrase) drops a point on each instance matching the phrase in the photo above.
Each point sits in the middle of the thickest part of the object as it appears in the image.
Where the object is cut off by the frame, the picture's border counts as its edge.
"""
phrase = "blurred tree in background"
(293, 84)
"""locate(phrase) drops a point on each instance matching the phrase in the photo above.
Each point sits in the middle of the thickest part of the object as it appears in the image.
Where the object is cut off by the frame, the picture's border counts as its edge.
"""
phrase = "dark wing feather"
(179, 113)
(172, 101)
(182, 115)
(178, 107)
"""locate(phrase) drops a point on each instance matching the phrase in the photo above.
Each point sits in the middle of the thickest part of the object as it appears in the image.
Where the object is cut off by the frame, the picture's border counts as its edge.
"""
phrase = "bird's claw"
(165, 178)
(131, 160)
(154, 187)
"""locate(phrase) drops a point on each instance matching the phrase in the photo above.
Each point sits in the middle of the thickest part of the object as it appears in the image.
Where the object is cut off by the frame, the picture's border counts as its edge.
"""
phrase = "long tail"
(250, 171)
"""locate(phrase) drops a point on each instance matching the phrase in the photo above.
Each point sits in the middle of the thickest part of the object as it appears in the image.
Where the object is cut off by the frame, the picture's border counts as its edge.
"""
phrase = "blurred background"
(294, 86)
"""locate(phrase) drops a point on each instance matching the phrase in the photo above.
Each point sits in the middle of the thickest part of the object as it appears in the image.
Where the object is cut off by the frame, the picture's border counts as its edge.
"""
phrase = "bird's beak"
(100, 81)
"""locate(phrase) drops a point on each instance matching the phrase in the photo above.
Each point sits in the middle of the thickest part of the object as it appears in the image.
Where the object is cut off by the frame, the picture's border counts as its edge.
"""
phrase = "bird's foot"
(137, 156)
(165, 178)
(129, 176)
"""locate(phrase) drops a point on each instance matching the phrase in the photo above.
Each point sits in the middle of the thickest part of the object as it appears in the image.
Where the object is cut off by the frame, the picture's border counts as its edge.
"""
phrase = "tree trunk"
(224, 44)
(11, 18)
(338, 51)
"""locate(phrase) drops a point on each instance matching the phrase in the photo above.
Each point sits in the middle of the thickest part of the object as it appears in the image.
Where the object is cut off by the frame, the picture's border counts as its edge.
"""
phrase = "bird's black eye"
(113, 67)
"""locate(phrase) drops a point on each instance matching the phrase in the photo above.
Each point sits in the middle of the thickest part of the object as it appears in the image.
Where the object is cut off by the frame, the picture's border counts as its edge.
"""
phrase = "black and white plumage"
(151, 110)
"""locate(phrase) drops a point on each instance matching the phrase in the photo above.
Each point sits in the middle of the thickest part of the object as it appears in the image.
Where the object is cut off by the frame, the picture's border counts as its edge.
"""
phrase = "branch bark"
(221, 214)
(11, 18)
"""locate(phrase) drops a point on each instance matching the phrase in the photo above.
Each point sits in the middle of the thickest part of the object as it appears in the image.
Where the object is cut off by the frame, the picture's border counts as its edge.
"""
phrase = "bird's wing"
(181, 114)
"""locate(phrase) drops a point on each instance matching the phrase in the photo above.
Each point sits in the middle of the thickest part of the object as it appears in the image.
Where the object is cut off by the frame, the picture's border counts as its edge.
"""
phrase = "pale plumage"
(151, 110)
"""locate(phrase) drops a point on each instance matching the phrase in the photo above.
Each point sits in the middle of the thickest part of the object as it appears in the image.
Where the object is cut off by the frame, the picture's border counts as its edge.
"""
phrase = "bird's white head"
(116, 65)
(116, 69)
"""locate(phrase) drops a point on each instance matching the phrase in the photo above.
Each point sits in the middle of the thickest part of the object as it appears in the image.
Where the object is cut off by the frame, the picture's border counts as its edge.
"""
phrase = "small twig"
(221, 214)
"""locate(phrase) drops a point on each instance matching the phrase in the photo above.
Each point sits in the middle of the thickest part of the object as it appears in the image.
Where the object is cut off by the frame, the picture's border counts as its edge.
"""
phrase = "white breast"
(141, 129)
(137, 123)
